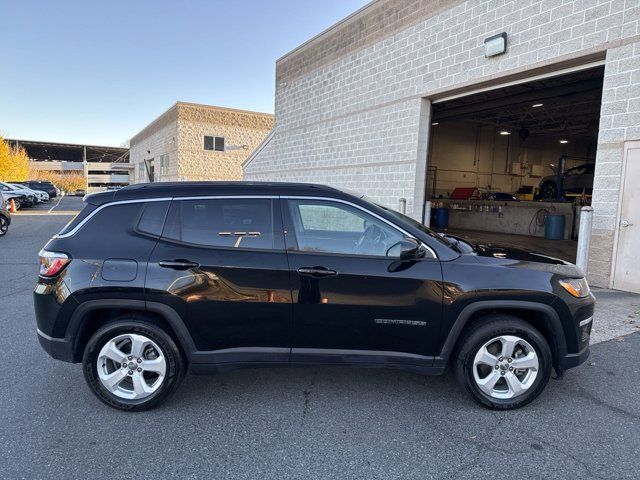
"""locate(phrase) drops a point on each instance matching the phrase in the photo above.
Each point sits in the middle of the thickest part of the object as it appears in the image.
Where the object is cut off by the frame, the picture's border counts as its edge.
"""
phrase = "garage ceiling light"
(564, 141)
(435, 123)
(536, 105)
(505, 132)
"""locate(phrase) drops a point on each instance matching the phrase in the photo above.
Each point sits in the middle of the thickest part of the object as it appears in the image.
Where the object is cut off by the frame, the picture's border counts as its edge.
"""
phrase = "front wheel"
(132, 364)
(4, 225)
(503, 362)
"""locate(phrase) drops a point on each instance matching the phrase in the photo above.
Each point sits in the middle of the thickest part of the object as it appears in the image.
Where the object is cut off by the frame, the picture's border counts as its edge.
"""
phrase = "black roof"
(187, 189)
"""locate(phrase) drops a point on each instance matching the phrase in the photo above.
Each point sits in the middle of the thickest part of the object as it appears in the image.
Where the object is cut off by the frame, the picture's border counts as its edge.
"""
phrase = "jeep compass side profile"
(154, 278)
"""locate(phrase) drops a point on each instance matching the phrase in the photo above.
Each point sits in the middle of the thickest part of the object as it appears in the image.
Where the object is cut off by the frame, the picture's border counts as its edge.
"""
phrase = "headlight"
(578, 287)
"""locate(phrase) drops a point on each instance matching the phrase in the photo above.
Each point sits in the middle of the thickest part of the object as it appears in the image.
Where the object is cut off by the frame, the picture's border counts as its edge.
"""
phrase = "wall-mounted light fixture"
(435, 123)
(496, 45)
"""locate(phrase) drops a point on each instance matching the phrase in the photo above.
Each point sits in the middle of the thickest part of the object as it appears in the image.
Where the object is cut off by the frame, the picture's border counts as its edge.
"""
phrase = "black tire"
(483, 331)
(174, 360)
(4, 225)
(548, 190)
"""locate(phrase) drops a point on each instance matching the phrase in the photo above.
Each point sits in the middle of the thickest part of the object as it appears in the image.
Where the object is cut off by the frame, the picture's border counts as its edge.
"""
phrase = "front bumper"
(58, 348)
(571, 360)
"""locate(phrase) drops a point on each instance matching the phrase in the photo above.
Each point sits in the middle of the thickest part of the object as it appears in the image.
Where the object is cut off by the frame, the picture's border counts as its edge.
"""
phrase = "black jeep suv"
(154, 277)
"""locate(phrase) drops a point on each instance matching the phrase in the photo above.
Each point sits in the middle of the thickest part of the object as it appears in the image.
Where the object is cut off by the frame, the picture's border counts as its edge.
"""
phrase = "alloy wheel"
(505, 367)
(4, 225)
(131, 366)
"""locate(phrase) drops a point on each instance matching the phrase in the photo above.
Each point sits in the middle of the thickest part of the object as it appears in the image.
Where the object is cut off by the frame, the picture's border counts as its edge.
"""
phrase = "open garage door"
(513, 164)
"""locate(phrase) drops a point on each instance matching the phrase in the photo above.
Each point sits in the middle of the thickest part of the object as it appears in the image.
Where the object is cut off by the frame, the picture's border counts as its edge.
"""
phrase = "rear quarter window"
(75, 221)
(152, 218)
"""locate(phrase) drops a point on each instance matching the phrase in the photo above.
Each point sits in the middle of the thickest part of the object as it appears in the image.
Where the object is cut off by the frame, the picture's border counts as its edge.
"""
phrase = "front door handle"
(178, 264)
(316, 272)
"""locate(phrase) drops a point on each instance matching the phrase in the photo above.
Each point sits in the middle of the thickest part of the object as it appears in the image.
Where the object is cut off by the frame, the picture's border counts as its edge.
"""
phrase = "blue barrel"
(554, 227)
(441, 217)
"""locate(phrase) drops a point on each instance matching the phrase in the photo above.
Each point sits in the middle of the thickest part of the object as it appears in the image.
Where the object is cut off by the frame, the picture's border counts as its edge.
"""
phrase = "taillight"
(52, 263)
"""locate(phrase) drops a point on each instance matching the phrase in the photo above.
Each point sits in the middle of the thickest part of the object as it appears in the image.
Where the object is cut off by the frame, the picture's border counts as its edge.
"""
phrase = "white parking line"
(59, 200)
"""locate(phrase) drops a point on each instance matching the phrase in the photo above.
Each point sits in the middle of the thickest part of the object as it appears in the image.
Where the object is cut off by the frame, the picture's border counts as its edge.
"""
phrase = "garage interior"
(514, 164)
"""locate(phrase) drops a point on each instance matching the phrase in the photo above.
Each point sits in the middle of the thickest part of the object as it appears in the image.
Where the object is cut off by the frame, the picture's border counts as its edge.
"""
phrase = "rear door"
(221, 265)
(354, 299)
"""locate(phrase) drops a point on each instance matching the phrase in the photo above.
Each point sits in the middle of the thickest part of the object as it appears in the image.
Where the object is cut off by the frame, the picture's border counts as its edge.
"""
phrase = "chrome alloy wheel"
(505, 367)
(131, 366)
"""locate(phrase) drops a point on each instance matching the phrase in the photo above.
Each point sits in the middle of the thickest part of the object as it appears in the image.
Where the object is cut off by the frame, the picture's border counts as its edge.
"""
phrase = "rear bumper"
(58, 348)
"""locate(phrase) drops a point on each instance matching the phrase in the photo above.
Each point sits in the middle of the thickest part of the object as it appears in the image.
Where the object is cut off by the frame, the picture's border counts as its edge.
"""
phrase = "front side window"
(332, 227)
(228, 222)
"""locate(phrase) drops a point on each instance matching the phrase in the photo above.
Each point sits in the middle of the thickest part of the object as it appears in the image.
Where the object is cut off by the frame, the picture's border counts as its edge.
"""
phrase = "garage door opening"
(515, 164)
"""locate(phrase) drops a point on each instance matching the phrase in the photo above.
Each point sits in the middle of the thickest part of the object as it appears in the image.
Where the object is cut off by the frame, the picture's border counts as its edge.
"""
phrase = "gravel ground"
(312, 423)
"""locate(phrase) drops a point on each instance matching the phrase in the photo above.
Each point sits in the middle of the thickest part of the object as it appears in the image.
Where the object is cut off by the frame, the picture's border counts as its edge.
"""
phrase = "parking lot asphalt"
(62, 205)
(314, 423)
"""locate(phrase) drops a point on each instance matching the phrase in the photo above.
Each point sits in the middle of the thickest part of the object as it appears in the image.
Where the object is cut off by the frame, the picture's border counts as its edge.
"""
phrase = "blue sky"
(98, 71)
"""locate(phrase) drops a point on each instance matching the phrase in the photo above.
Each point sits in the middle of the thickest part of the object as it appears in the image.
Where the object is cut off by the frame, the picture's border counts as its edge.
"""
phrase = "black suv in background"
(154, 277)
(42, 185)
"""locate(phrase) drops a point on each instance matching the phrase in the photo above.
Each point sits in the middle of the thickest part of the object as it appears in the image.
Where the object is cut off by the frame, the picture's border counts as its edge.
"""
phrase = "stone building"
(360, 106)
(197, 142)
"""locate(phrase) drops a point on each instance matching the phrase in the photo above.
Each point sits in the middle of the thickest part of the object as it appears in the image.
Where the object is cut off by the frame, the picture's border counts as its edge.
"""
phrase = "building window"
(214, 143)
(164, 164)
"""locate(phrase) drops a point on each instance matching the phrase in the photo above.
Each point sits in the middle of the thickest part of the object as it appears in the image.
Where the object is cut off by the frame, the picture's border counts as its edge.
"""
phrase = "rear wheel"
(132, 364)
(503, 362)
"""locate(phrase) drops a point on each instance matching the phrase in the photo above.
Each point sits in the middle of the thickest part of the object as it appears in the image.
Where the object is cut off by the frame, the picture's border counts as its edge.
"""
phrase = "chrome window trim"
(144, 200)
(75, 229)
(346, 202)
(222, 197)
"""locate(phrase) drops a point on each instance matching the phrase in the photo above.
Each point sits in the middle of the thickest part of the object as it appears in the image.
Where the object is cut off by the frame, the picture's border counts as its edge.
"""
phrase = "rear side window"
(152, 218)
(227, 223)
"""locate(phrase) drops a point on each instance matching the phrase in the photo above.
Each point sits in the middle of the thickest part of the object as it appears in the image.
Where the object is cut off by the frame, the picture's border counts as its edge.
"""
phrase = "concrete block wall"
(619, 123)
(381, 61)
(159, 137)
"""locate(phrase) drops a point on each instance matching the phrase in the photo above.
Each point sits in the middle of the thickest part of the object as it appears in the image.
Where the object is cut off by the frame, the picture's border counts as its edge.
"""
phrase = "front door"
(221, 265)
(354, 299)
(627, 273)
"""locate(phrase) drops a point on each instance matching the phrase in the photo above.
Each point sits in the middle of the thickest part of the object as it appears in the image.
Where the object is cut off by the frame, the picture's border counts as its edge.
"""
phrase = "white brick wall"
(363, 109)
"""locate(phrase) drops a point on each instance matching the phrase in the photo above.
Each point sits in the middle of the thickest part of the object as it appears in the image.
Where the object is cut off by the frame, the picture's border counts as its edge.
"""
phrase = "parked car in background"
(80, 192)
(43, 185)
(575, 180)
(24, 196)
(41, 196)
(5, 216)
(152, 278)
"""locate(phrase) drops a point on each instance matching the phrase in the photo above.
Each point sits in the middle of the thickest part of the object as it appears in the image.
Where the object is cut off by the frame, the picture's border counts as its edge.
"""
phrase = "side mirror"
(410, 249)
(406, 249)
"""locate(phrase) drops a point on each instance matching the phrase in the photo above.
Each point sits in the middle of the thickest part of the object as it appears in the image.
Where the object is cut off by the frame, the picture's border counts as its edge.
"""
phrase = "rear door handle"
(316, 272)
(178, 264)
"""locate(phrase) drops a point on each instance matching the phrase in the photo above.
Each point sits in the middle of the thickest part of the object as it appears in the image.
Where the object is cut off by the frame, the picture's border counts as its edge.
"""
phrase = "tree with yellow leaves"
(14, 163)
